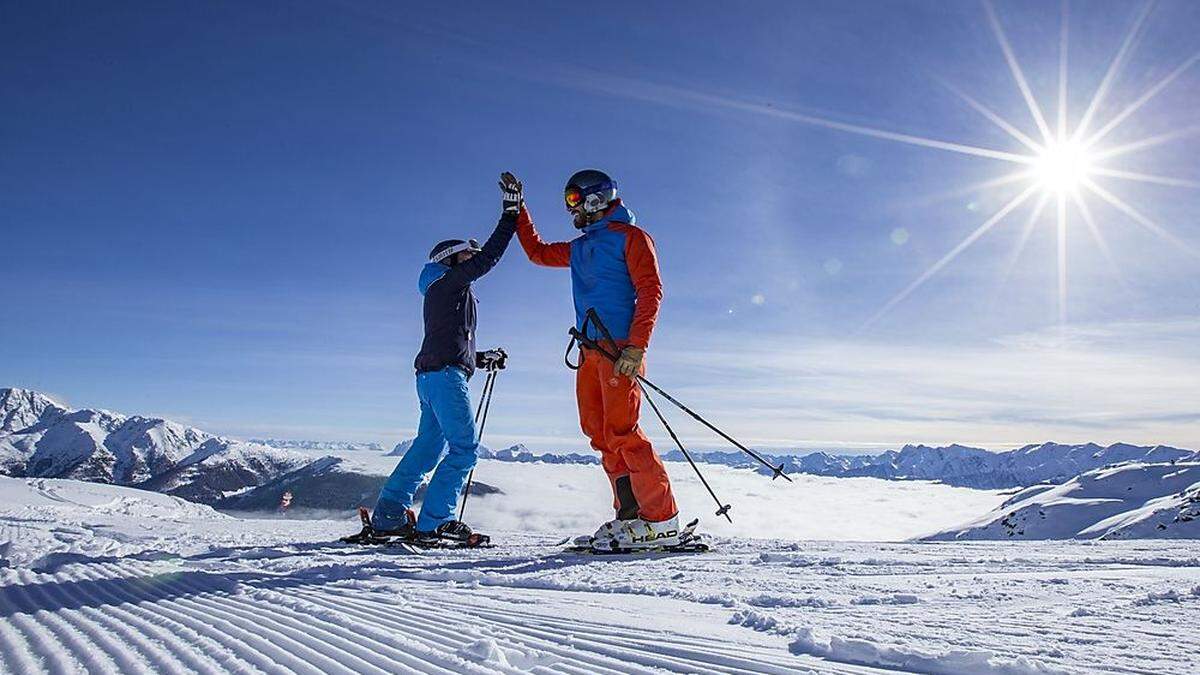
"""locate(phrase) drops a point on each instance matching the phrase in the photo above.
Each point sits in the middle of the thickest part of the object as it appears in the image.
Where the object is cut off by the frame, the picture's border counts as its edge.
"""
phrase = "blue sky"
(217, 211)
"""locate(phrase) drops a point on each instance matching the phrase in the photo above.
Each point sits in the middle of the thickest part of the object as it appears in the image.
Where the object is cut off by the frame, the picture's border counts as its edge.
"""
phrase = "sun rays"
(1065, 165)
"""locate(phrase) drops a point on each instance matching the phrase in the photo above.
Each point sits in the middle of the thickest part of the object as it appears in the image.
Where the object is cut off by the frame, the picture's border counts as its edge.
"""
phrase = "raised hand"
(511, 192)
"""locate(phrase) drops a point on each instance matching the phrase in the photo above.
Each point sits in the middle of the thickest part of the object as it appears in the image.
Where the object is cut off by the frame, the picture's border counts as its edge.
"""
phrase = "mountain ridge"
(955, 464)
(40, 438)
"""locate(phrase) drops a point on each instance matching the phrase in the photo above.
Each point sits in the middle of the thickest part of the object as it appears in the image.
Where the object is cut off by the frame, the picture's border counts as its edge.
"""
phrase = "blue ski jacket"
(614, 270)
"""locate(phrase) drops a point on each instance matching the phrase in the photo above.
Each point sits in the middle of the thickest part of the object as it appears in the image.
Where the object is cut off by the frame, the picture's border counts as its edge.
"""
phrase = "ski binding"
(368, 536)
(689, 542)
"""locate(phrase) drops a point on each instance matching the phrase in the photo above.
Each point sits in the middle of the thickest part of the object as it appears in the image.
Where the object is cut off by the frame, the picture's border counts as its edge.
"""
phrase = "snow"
(1127, 501)
(818, 575)
(21, 408)
(104, 578)
(552, 498)
(40, 438)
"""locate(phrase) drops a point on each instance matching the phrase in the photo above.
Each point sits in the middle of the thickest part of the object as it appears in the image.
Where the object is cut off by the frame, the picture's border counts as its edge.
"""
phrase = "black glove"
(511, 193)
(492, 359)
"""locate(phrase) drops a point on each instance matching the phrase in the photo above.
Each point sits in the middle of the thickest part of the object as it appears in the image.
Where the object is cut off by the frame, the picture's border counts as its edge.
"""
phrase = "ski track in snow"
(84, 588)
(136, 618)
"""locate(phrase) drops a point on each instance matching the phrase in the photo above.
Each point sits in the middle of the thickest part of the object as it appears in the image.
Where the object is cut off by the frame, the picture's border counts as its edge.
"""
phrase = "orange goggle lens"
(573, 198)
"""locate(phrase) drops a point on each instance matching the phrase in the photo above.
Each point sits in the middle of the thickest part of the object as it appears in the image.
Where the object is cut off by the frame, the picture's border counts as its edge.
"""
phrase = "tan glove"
(629, 362)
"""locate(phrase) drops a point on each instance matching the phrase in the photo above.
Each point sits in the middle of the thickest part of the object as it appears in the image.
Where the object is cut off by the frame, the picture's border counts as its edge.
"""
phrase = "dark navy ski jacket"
(450, 304)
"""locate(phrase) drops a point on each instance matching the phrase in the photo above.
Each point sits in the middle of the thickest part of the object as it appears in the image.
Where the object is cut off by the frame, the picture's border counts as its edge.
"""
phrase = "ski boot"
(370, 535)
(638, 534)
(451, 534)
(609, 530)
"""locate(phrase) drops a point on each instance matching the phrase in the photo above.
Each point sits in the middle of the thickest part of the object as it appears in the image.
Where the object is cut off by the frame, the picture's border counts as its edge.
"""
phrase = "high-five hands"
(511, 193)
(629, 362)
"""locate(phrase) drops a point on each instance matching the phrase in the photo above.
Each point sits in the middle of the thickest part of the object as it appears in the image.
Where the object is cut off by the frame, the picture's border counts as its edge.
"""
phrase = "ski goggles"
(593, 201)
(573, 196)
(468, 245)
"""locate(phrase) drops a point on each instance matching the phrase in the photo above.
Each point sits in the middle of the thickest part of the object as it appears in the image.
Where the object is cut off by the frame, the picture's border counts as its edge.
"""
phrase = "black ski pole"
(722, 509)
(485, 404)
(777, 471)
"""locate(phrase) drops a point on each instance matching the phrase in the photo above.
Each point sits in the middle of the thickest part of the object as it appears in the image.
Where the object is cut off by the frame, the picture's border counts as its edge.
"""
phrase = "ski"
(476, 540)
(689, 542)
(369, 537)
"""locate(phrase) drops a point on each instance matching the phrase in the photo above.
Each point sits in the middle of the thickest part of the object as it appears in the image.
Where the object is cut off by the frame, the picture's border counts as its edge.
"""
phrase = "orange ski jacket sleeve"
(642, 259)
(607, 246)
(557, 254)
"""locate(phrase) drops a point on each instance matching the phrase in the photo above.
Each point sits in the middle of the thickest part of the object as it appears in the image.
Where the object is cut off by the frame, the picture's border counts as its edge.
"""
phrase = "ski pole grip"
(581, 338)
(590, 343)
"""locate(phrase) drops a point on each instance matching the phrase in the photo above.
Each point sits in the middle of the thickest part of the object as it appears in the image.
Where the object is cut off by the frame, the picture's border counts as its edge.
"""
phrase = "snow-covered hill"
(107, 579)
(1128, 501)
(43, 439)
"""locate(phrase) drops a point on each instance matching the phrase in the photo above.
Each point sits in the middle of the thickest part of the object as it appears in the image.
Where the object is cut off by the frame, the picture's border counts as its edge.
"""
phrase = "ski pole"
(722, 509)
(485, 404)
(777, 471)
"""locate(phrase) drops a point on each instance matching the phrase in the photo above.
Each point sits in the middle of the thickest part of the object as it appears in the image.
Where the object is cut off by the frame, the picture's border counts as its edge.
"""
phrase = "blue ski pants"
(446, 420)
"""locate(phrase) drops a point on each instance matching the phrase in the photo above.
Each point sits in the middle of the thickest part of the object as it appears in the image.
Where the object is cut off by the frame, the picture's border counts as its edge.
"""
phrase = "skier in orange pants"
(614, 271)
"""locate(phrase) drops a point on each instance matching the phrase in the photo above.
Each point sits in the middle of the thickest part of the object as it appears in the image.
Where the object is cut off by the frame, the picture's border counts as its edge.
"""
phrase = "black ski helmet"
(590, 189)
(445, 251)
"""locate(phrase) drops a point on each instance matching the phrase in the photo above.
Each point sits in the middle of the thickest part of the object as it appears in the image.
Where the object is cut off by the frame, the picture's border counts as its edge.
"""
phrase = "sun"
(1063, 166)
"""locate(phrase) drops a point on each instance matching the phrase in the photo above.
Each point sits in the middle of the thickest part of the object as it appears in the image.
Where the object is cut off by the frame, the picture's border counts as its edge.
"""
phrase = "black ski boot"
(451, 534)
(369, 535)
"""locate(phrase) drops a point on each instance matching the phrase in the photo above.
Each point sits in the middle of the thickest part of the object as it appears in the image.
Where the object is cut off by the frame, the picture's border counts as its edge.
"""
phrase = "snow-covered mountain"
(43, 439)
(21, 408)
(520, 453)
(403, 447)
(978, 468)
(516, 453)
(1127, 501)
(957, 465)
(319, 446)
(332, 484)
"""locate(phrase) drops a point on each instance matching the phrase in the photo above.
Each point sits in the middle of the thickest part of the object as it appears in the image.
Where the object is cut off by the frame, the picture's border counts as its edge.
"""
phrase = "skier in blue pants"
(446, 437)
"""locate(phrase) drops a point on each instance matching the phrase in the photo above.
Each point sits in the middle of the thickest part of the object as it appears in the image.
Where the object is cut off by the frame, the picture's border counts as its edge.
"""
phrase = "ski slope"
(98, 578)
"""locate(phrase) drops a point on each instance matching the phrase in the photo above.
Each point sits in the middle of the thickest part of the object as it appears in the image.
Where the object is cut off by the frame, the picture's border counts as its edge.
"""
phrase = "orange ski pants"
(609, 406)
